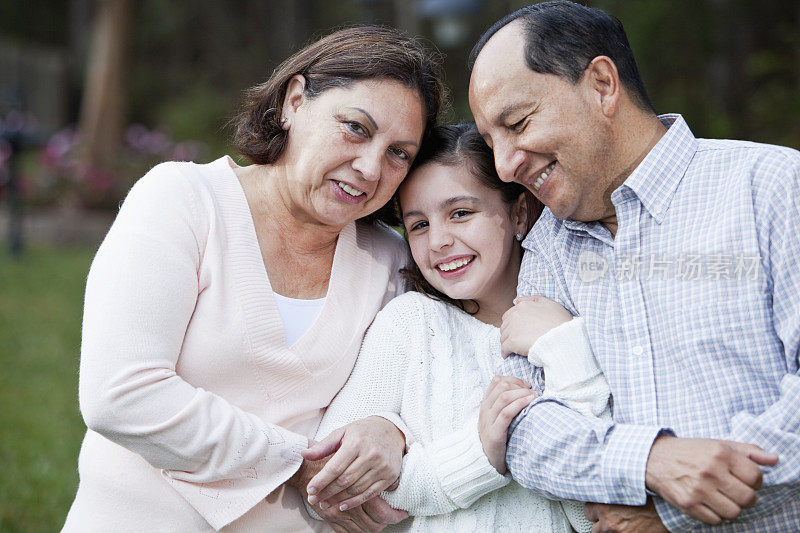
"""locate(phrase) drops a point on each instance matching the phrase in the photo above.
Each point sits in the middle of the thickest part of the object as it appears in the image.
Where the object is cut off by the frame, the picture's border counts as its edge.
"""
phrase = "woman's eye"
(400, 153)
(356, 128)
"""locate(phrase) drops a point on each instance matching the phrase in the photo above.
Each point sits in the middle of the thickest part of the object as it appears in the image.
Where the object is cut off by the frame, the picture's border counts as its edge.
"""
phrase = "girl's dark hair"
(453, 145)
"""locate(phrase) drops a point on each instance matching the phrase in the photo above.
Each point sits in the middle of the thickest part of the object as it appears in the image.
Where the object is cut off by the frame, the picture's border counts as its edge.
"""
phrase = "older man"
(683, 256)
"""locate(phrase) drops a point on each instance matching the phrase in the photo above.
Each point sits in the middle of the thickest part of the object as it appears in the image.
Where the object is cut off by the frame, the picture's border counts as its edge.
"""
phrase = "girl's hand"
(367, 457)
(523, 324)
(504, 400)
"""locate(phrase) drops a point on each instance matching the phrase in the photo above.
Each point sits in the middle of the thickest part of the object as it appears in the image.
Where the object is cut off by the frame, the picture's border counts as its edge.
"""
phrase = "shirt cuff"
(624, 462)
(462, 468)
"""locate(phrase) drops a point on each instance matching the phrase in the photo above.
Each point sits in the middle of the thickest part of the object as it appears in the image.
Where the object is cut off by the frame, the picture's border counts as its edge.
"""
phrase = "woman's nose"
(368, 163)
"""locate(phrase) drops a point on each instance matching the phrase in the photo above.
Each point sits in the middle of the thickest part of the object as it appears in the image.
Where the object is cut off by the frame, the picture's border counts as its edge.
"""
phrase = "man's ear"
(602, 81)
(294, 98)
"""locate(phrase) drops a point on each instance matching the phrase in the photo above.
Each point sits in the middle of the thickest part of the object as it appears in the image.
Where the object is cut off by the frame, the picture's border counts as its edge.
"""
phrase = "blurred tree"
(103, 109)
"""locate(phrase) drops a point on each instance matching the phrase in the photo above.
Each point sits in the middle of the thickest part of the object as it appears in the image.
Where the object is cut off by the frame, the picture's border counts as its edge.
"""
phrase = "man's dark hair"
(563, 37)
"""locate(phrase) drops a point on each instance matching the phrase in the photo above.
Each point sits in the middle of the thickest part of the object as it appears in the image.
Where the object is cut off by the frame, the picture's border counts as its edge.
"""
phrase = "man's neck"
(634, 138)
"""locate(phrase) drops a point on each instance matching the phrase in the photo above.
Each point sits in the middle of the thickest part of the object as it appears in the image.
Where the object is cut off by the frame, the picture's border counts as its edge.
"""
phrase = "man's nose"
(507, 160)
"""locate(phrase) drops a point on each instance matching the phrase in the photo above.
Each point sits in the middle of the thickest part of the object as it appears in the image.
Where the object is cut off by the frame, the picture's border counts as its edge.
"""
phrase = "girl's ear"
(519, 215)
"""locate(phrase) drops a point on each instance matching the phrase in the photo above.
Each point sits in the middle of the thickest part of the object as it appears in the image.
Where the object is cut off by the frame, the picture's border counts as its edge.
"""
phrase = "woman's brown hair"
(336, 60)
(451, 146)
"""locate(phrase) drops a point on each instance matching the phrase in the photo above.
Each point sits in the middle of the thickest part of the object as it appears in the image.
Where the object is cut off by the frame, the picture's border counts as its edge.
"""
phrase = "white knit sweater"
(431, 363)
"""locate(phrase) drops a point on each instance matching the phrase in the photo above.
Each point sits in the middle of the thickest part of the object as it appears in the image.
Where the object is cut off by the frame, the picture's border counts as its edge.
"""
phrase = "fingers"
(754, 453)
(591, 512)
(344, 481)
(362, 496)
(382, 512)
(325, 447)
(335, 467)
(705, 514)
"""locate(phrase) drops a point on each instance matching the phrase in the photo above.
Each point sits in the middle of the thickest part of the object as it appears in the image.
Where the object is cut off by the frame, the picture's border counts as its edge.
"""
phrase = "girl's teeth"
(350, 190)
(452, 265)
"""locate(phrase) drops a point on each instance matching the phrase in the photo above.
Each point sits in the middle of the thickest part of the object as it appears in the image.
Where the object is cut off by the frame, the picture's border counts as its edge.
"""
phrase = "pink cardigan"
(196, 409)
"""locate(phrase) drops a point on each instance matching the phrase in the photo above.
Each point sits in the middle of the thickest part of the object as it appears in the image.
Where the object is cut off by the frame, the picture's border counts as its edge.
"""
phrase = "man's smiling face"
(547, 134)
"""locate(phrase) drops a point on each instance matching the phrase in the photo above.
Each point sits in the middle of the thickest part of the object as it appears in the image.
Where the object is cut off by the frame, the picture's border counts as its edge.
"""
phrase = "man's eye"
(518, 126)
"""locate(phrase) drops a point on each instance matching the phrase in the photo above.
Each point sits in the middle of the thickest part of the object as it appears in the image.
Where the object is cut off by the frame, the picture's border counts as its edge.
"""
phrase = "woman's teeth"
(544, 175)
(452, 265)
(350, 190)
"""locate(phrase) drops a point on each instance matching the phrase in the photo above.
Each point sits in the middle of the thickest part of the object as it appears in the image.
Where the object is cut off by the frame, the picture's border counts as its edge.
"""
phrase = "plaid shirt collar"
(657, 177)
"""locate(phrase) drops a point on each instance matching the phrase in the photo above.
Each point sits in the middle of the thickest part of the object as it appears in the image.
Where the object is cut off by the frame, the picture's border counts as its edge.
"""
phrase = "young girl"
(430, 355)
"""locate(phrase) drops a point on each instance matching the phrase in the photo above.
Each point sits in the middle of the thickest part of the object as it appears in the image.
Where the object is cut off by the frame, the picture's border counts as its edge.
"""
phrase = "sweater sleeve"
(140, 295)
(572, 375)
(446, 474)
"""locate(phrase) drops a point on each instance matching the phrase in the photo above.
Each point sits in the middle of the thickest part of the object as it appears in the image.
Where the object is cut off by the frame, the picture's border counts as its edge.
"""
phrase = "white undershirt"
(297, 315)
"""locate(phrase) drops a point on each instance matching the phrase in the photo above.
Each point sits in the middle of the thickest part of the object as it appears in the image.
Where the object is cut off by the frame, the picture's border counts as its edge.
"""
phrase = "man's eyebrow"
(508, 110)
(369, 117)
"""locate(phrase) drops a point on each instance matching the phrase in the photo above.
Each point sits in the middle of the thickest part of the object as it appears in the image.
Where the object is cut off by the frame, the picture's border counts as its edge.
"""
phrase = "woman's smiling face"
(349, 148)
(461, 233)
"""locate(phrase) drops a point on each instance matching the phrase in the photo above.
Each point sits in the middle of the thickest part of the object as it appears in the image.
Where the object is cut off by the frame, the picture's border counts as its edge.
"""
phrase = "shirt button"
(637, 350)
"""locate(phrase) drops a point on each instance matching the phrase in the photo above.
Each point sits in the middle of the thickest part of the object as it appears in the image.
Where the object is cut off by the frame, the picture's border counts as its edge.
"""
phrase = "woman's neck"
(276, 217)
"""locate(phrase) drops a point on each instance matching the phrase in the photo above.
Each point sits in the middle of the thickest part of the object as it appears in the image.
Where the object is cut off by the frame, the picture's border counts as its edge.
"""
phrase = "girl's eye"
(356, 128)
(461, 213)
(400, 153)
(418, 225)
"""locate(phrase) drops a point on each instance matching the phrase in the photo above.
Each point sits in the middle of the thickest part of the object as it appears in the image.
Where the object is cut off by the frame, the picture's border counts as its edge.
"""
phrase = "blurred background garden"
(95, 92)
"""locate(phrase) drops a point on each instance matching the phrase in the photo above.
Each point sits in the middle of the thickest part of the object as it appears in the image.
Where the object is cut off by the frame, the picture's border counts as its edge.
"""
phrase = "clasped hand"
(342, 475)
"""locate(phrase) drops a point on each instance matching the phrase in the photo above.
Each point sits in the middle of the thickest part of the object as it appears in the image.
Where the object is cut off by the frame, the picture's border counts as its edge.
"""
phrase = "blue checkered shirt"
(693, 311)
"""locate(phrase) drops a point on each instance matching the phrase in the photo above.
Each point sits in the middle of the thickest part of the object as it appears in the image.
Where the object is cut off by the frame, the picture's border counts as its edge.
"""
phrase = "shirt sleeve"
(554, 450)
(563, 455)
(777, 429)
(140, 295)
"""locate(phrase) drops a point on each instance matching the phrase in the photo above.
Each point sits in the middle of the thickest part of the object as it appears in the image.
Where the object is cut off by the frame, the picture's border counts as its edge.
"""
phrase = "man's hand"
(366, 459)
(372, 516)
(711, 480)
(523, 324)
(623, 518)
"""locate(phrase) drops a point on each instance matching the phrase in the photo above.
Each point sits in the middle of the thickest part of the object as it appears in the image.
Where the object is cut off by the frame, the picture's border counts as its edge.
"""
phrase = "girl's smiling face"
(462, 235)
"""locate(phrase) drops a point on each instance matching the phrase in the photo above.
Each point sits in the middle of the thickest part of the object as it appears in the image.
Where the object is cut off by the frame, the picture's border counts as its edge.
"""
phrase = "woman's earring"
(519, 236)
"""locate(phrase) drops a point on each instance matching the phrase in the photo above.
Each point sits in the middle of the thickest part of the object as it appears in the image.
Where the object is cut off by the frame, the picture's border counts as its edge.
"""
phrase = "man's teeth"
(452, 265)
(350, 190)
(543, 176)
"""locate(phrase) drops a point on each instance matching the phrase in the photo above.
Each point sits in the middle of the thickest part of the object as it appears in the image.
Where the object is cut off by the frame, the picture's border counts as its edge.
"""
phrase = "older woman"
(227, 304)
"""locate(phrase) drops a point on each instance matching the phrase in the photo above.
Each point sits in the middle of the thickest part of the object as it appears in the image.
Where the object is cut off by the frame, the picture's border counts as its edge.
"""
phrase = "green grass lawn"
(41, 298)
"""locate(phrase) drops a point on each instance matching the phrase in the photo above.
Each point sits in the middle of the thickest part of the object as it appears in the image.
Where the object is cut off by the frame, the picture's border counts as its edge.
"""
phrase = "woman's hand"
(523, 324)
(373, 516)
(367, 457)
(504, 400)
